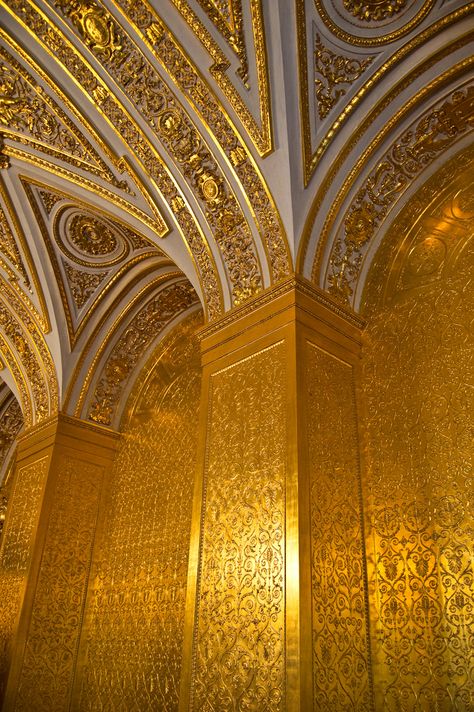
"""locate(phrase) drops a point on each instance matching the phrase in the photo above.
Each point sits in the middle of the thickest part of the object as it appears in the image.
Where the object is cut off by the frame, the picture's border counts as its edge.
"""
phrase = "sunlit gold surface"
(417, 396)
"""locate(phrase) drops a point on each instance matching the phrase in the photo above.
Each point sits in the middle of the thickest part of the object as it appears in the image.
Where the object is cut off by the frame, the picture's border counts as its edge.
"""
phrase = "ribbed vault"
(149, 146)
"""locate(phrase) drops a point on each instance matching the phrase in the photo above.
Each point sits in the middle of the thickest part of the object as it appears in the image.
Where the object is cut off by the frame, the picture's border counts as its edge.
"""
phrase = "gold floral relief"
(418, 399)
(227, 18)
(341, 652)
(29, 116)
(239, 657)
(415, 149)
(15, 551)
(50, 655)
(138, 336)
(145, 152)
(134, 634)
(152, 98)
(11, 422)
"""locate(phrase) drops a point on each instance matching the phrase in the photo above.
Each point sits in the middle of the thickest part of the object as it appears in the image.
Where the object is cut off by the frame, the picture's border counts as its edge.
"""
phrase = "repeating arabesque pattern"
(134, 636)
(341, 656)
(419, 401)
(50, 653)
(16, 548)
(239, 660)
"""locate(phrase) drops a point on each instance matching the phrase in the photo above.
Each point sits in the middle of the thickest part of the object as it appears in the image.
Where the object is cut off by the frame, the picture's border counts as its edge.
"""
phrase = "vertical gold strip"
(131, 646)
(51, 648)
(340, 644)
(240, 622)
(16, 550)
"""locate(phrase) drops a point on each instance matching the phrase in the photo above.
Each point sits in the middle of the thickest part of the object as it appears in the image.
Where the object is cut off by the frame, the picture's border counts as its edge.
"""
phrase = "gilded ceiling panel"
(30, 117)
(93, 257)
(224, 20)
(417, 147)
(28, 358)
(346, 50)
(16, 264)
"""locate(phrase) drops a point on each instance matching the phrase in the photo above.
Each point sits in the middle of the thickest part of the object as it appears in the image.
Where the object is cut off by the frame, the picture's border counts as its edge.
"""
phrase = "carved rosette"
(93, 249)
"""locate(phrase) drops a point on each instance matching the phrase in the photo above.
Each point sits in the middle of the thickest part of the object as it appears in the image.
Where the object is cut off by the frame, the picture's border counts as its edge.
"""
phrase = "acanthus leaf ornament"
(415, 149)
(334, 74)
(374, 10)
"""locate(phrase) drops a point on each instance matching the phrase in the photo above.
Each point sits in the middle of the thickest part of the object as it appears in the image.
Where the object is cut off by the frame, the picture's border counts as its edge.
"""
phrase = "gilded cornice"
(312, 154)
(293, 283)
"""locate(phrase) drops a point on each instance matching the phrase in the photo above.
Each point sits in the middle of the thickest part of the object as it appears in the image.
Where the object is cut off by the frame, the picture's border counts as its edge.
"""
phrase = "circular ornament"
(91, 236)
(370, 23)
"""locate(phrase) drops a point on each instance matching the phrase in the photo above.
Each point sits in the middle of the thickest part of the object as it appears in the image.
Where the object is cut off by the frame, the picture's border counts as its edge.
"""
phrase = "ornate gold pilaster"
(45, 557)
(277, 597)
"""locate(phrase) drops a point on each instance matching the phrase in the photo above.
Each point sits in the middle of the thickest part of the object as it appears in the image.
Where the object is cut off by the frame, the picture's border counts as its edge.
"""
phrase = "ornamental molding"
(436, 131)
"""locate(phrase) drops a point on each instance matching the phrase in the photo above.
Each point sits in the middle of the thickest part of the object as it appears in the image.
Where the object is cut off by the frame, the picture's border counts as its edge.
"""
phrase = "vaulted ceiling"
(162, 157)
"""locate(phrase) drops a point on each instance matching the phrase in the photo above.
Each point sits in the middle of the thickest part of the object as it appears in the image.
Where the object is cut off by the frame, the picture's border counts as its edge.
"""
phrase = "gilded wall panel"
(134, 631)
(341, 656)
(418, 395)
(50, 653)
(239, 660)
(17, 540)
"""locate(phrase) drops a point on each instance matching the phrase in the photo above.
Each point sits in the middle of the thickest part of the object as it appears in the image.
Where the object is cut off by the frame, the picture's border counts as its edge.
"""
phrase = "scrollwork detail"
(416, 148)
(334, 73)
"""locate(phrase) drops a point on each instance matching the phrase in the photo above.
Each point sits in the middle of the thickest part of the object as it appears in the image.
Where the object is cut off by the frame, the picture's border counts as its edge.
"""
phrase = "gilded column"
(277, 596)
(45, 557)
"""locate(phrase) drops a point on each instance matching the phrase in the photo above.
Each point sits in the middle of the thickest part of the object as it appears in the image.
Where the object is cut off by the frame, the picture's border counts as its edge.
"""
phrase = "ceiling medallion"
(369, 23)
(374, 10)
(92, 236)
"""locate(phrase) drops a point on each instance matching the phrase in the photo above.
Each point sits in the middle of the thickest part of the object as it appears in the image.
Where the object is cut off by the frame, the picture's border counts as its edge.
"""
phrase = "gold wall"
(239, 655)
(341, 656)
(130, 655)
(16, 550)
(417, 393)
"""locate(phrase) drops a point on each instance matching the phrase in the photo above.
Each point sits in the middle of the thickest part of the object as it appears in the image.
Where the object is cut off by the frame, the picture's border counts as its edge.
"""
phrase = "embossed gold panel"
(70, 475)
(340, 644)
(259, 618)
(418, 397)
(240, 637)
(132, 641)
(15, 553)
